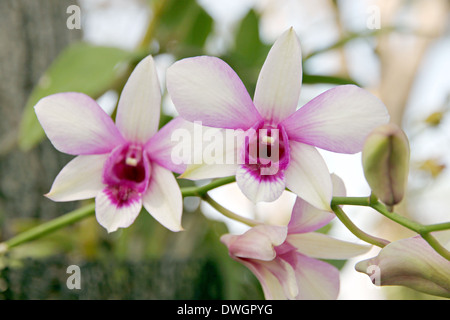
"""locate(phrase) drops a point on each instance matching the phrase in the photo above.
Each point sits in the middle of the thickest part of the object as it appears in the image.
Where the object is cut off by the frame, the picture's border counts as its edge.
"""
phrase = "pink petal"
(259, 187)
(76, 124)
(206, 89)
(80, 179)
(307, 218)
(140, 102)
(278, 87)
(163, 198)
(257, 243)
(338, 120)
(160, 147)
(113, 216)
(317, 280)
(308, 177)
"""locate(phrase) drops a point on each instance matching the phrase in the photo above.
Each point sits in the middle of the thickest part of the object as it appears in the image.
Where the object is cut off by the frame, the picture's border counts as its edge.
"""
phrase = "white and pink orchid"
(286, 259)
(207, 90)
(125, 165)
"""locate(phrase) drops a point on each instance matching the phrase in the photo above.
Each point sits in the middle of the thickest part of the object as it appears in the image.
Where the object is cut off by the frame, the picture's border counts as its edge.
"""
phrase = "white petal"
(317, 280)
(307, 175)
(258, 187)
(215, 153)
(307, 218)
(80, 179)
(111, 216)
(278, 88)
(163, 198)
(338, 120)
(206, 89)
(140, 102)
(76, 124)
(321, 246)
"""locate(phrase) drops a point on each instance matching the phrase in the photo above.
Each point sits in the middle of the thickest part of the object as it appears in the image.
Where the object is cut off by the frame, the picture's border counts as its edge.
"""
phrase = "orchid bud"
(412, 263)
(385, 159)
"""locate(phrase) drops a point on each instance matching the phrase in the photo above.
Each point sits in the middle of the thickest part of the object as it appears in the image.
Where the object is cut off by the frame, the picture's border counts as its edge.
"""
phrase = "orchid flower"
(207, 90)
(125, 165)
(285, 259)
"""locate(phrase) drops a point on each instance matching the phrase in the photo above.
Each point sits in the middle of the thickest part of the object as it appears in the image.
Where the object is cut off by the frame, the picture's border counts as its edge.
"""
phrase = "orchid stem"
(340, 214)
(423, 230)
(229, 214)
(87, 211)
(48, 227)
(202, 190)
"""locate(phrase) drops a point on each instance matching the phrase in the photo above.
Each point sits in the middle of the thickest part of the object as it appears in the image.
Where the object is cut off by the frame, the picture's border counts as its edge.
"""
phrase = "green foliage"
(81, 67)
(183, 28)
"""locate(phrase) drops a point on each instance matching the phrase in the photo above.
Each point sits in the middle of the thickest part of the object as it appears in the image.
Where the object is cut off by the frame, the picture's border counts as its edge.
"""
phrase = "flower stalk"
(201, 191)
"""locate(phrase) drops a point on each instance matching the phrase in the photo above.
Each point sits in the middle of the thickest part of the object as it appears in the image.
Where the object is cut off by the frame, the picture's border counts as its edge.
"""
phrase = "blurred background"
(397, 49)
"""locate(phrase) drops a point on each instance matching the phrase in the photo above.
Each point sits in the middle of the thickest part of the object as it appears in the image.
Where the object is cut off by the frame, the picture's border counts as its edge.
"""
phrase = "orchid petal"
(308, 176)
(76, 124)
(219, 157)
(278, 88)
(206, 89)
(259, 187)
(272, 288)
(139, 104)
(286, 275)
(160, 146)
(80, 179)
(163, 198)
(113, 216)
(322, 246)
(307, 218)
(317, 280)
(257, 243)
(337, 120)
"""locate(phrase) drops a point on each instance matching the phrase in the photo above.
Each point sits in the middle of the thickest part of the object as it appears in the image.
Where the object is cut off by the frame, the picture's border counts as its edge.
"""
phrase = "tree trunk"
(32, 34)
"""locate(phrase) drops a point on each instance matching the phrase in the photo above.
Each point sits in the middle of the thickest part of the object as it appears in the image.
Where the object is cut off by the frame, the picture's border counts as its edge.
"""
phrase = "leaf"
(183, 28)
(81, 67)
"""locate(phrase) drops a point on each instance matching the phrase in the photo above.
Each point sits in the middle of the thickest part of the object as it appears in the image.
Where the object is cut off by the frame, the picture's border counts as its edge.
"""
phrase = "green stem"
(229, 214)
(48, 227)
(340, 214)
(436, 245)
(88, 210)
(202, 190)
(423, 230)
(157, 11)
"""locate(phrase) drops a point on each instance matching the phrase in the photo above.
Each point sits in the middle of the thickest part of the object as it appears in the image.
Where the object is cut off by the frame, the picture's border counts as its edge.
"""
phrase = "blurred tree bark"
(32, 33)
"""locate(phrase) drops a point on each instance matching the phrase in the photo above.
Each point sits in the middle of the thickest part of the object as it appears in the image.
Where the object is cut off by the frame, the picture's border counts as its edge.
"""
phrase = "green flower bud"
(385, 159)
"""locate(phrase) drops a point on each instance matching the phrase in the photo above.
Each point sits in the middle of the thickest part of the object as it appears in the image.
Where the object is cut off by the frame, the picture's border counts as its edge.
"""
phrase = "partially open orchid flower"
(412, 263)
(207, 90)
(285, 259)
(123, 165)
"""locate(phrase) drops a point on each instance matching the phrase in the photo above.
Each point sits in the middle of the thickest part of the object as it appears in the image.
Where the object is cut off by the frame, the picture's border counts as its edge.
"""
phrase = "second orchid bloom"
(207, 90)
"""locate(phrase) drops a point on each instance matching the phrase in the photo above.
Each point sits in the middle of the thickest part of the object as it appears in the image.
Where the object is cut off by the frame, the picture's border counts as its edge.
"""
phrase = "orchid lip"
(126, 173)
(266, 148)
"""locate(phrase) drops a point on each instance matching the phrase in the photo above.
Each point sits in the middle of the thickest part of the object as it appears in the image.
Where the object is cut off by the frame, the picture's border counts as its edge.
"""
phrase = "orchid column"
(206, 89)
